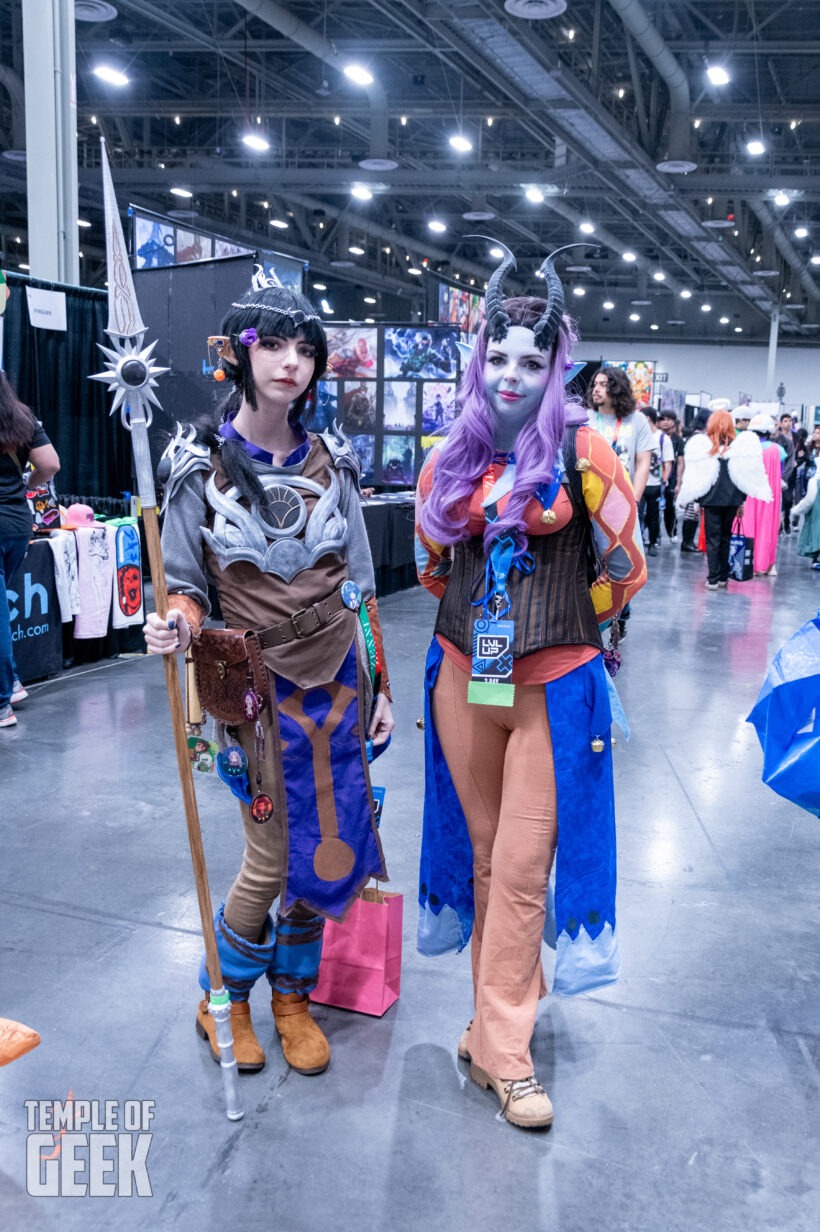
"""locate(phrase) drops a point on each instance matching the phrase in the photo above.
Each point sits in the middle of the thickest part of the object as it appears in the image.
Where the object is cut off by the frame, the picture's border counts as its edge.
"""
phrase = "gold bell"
(548, 516)
(597, 744)
(583, 464)
(420, 724)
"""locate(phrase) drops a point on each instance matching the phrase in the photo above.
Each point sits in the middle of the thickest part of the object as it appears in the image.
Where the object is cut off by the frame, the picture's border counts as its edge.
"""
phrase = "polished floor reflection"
(686, 1096)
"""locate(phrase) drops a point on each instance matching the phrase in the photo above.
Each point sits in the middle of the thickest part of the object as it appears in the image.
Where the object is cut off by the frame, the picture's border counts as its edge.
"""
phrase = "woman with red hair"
(721, 468)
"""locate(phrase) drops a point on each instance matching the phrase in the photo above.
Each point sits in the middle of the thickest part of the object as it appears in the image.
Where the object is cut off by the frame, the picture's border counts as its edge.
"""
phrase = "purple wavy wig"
(469, 447)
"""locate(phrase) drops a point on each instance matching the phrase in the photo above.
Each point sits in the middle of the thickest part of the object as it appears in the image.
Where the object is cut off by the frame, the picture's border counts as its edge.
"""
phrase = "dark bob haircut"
(619, 390)
(272, 311)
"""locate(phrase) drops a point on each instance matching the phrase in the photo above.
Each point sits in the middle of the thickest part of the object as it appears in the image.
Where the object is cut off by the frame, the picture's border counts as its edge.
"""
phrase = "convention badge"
(203, 753)
(238, 783)
(250, 706)
(231, 762)
(491, 678)
(378, 804)
(350, 595)
(261, 808)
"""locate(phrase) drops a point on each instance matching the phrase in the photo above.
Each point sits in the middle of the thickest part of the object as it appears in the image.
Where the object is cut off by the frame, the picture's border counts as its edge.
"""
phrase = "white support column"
(773, 331)
(51, 139)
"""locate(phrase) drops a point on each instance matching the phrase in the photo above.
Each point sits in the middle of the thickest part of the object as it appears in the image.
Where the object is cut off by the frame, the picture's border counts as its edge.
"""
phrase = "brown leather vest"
(550, 607)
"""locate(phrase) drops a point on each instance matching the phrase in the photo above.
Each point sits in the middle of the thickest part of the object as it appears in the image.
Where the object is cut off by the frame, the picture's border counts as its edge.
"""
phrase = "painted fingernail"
(172, 624)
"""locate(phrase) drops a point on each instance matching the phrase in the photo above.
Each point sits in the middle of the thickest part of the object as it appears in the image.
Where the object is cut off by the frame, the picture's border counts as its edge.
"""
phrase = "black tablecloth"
(389, 524)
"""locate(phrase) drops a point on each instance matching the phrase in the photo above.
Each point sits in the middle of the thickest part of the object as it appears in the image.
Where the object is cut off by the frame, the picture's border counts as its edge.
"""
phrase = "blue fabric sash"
(585, 872)
(333, 848)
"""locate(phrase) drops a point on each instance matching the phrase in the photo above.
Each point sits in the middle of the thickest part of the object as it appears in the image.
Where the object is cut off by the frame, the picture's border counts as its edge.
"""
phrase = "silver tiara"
(296, 314)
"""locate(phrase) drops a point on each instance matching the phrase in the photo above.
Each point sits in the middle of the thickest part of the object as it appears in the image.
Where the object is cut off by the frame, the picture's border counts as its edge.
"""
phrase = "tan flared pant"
(501, 764)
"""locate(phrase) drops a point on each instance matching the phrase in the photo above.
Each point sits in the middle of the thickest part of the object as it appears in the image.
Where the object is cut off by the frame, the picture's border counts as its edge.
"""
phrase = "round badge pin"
(231, 762)
(250, 706)
(351, 595)
(261, 808)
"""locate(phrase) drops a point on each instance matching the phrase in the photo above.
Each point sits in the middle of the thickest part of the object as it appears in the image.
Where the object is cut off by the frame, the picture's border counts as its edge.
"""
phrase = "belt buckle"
(296, 618)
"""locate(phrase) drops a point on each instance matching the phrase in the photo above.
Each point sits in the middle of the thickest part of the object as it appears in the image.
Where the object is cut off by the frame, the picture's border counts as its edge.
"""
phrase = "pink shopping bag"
(361, 957)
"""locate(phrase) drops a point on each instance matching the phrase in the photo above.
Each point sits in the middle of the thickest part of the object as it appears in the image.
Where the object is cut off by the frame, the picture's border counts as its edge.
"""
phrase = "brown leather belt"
(303, 623)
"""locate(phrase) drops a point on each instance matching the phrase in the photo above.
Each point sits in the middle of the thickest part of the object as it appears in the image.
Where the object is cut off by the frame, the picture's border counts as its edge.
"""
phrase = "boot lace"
(521, 1088)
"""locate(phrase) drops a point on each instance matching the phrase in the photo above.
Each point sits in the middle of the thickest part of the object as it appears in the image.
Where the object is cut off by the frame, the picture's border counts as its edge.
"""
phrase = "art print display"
(438, 406)
(399, 460)
(288, 270)
(400, 406)
(461, 307)
(154, 243)
(641, 373)
(359, 407)
(226, 248)
(326, 409)
(352, 351)
(365, 447)
(419, 352)
(193, 246)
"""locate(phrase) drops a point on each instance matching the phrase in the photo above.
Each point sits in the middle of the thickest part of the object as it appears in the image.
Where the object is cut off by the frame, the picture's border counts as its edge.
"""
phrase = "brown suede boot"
(247, 1050)
(303, 1043)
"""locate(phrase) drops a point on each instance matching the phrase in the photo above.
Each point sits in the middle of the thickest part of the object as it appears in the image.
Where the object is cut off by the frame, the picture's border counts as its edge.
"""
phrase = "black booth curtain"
(49, 370)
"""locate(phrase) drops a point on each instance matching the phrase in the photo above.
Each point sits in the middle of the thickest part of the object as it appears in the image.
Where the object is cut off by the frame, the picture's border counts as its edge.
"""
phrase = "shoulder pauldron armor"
(183, 455)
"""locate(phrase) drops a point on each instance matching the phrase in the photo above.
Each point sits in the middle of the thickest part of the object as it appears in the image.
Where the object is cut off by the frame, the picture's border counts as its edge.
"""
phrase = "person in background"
(761, 519)
(669, 424)
(785, 438)
(691, 518)
(741, 416)
(722, 469)
(22, 440)
(809, 509)
(660, 468)
(804, 466)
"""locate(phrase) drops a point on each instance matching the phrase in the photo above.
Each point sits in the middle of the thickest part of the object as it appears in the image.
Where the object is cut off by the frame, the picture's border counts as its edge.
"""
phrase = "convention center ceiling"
(675, 140)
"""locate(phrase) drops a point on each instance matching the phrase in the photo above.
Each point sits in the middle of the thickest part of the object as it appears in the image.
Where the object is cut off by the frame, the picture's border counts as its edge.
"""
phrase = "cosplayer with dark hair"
(269, 514)
(621, 397)
(527, 533)
(22, 440)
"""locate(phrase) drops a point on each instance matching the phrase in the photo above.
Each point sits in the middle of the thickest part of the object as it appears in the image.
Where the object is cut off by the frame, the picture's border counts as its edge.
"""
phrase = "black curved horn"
(547, 326)
(498, 322)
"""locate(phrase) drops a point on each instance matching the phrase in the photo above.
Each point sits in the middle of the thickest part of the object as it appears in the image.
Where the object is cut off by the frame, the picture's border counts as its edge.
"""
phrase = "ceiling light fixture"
(110, 75)
(460, 143)
(255, 141)
(337, 119)
(634, 316)
(356, 250)
(361, 192)
(588, 228)
(686, 293)
(182, 192)
(498, 253)
(579, 291)
(815, 258)
(653, 326)
(534, 195)
(325, 306)
(706, 307)
(319, 286)
(358, 74)
(370, 299)
(435, 224)
(724, 320)
(82, 222)
(717, 75)
(414, 270)
(279, 223)
(738, 329)
(608, 305)
(629, 256)
(756, 147)
(782, 198)
(801, 233)
(659, 276)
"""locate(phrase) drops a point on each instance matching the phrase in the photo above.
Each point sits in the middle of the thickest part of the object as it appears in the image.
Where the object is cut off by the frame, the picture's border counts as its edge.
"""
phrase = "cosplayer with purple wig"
(528, 535)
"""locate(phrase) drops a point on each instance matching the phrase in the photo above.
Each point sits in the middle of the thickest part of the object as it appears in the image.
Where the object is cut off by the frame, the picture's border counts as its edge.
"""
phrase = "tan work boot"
(247, 1050)
(524, 1102)
(464, 1043)
(303, 1043)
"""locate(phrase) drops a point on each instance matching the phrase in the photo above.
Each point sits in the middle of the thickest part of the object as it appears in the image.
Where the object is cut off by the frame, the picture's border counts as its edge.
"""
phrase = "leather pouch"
(230, 674)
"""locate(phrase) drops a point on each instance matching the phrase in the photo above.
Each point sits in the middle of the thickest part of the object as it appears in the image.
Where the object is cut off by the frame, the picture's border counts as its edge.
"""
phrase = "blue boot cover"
(295, 962)
(242, 962)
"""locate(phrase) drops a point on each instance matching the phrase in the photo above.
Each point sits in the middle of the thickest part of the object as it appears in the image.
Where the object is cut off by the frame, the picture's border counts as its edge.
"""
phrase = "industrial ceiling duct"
(279, 18)
(535, 10)
(678, 157)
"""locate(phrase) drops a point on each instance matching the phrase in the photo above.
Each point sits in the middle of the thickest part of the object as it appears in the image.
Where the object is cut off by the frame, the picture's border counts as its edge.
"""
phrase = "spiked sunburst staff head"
(131, 377)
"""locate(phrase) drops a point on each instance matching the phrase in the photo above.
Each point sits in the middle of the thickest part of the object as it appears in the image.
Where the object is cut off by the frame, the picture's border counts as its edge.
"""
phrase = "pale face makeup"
(515, 377)
(282, 368)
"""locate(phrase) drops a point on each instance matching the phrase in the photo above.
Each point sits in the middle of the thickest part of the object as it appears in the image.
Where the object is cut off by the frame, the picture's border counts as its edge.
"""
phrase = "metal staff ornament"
(131, 377)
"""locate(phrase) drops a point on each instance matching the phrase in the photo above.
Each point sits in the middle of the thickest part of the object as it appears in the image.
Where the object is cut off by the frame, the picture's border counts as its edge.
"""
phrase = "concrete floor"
(686, 1096)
